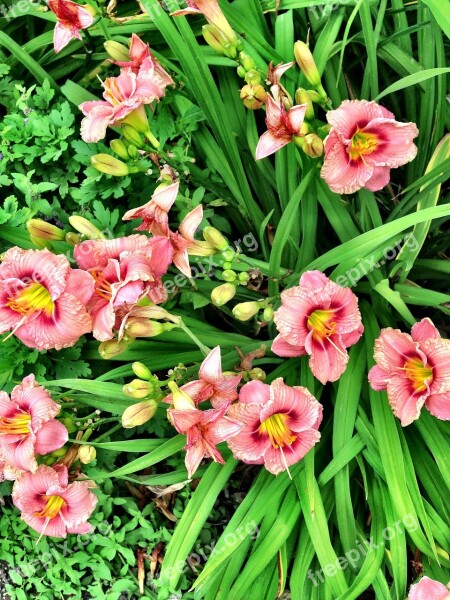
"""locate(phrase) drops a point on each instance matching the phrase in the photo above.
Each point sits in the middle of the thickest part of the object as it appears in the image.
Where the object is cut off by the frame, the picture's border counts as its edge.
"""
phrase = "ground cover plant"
(224, 299)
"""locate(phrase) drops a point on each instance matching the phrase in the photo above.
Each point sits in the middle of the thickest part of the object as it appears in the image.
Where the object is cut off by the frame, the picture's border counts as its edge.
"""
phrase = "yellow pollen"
(102, 286)
(418, 373)
(362, 143)
(279, 433)
(31, 299)
(321, 323)
(19, 424)
(52, 507)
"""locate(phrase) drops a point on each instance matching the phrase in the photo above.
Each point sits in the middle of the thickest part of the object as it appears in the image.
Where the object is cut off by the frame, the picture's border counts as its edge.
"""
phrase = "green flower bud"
(141, 371)
(116, 51)
(105, 163)
(246, 310)
(246, 61)
(138, 414)
(268, 314)
(113, 348)
(119, 148)
(45, 231)
(307, 64)
(302, 97)
(229, 275)
(132, 135)
(215, 238)
(138, 389)
(86, 228)
(223, 294)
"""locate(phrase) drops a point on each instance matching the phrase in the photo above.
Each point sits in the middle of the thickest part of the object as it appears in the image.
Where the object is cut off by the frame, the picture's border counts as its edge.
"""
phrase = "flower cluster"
(28, 431)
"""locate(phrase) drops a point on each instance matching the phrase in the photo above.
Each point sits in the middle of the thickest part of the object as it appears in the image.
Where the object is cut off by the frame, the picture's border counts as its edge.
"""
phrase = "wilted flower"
(414, 370)
(214, 15)
(50, 505)
(319, 318)
(157, 210)
(42, 299)
(28, 426)
(364, 144)
(71, 19)
(429, 589)
(280, 424)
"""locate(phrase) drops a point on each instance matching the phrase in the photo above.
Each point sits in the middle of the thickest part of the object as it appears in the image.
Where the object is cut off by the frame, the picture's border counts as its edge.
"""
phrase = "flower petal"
(428, 589)
(424, 330)
(254, 391)
(281, 347)
(405, 402)
(270, 143)
(329, 357)
(439, 406)
(378, 378)
(395, 142)
(393, 348)
(52, 436)
(354, 114)
(80, 503)
(276, 459)
(380, 178)
(344, 176)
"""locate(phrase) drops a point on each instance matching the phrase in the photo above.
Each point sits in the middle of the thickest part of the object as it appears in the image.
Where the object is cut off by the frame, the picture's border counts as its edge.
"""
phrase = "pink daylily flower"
(51, 505)
(72, 18)
(280, 424)
(204, 429)
(28, 426)
(282, 126)
(212, 384)
(213, 13)
(123, 94)
(414, 370)
(42, 299)
(155, 214)
(319, 318)
(364, 144)
(126, 270)
(429, 589)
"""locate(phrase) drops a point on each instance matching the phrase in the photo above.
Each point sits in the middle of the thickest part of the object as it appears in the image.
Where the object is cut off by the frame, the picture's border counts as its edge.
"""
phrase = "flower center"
(52, 507)
(31, 299)
(418, 374)
(321, 323)
(102, 285)
(279, 433)
(362, 143)
(19, 424)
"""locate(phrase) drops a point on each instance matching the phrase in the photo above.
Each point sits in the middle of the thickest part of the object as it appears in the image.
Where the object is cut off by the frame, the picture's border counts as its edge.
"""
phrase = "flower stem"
(204, 349)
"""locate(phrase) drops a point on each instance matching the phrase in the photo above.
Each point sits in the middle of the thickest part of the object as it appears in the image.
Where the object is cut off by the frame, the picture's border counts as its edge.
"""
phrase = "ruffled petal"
(380, 178)
(328, 357)
(276, 459)
(405, 402)
(354, 114)
(254, 391)
(80, 284)
(395, 142)
(344, 176)
(439, 406)
(393, 348)
(52, 436)
(378, 378)
(424, 330)
(80, 503)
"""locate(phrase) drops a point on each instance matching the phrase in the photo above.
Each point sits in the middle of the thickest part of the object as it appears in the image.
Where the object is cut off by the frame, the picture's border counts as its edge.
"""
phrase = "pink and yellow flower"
(155, 214)
(72, 18)
(126, 270)
(28, 426)
(280, 424)
(364, 144)
(204, 429)
(429, 589)
(43, 300)
(319, 318)
(213, 385)
(282, 126)
(414, 370)
(51, 505)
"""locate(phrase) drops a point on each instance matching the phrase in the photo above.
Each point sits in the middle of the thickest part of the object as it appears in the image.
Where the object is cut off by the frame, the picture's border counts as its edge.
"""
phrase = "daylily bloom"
(156, 211)
(204, 429)
(126, 270)
(213, 13)
(429, 589)
(414, 370)
(123, 94)
(319, 318)
(71, 19)
(364, 144)
(282, 126)
(212, 384)
(280, 424)
(51, 505)
(28, 426)
(42, 299)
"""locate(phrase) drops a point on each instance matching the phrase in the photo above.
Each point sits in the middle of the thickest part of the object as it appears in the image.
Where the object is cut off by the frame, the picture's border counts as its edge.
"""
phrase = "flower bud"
(69, 424)
(227, 265)
(268, 314)
(86, 454)
(246, 310)
(73, 238)
(119, 148)
(215, 238)
(118, 52)
(229, 254)
(214, 38)
(302, 97)
(138, 119)
(253, 96)
(257, 374)
(223, 294)
(307, 64)
(45, 231)
(243, 278)
(315, 96)
(313, 145)
(246, 61)
(40, 243)
(138, 414)
(181, 400)
(137, 327)
(113, 348)
(241, 71)
(86, 228)
(132, 152)
(132, 135)
(138, 389)
(141, 371)
(252, 77)
(105, 163)
(229, 275)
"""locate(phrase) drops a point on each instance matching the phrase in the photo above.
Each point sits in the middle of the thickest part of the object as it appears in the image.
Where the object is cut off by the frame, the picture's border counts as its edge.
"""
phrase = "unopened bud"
(229, 275)
(86, 228)
(268, 314)
(181, 400)
(137, 327)
(257, 374)
(118, 52)
(241, 71)
(40, 243)
(141, 371)
(139, 413)
(45, 231)
(105, 163)
(86, 454)
(119, 148)
(132, 152)
(315, 96)
(113, 348)
(246, 310)
(253, 96)
(303, 97)
(243, 278)
(307, 63)
(138, 119)
(313, 145)
(73, 238)
(133, 136)
(252, 77)
(215, 238)
(229, 254)
(215, 38)
(223, 294)
(246, 61)
(138, 389)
